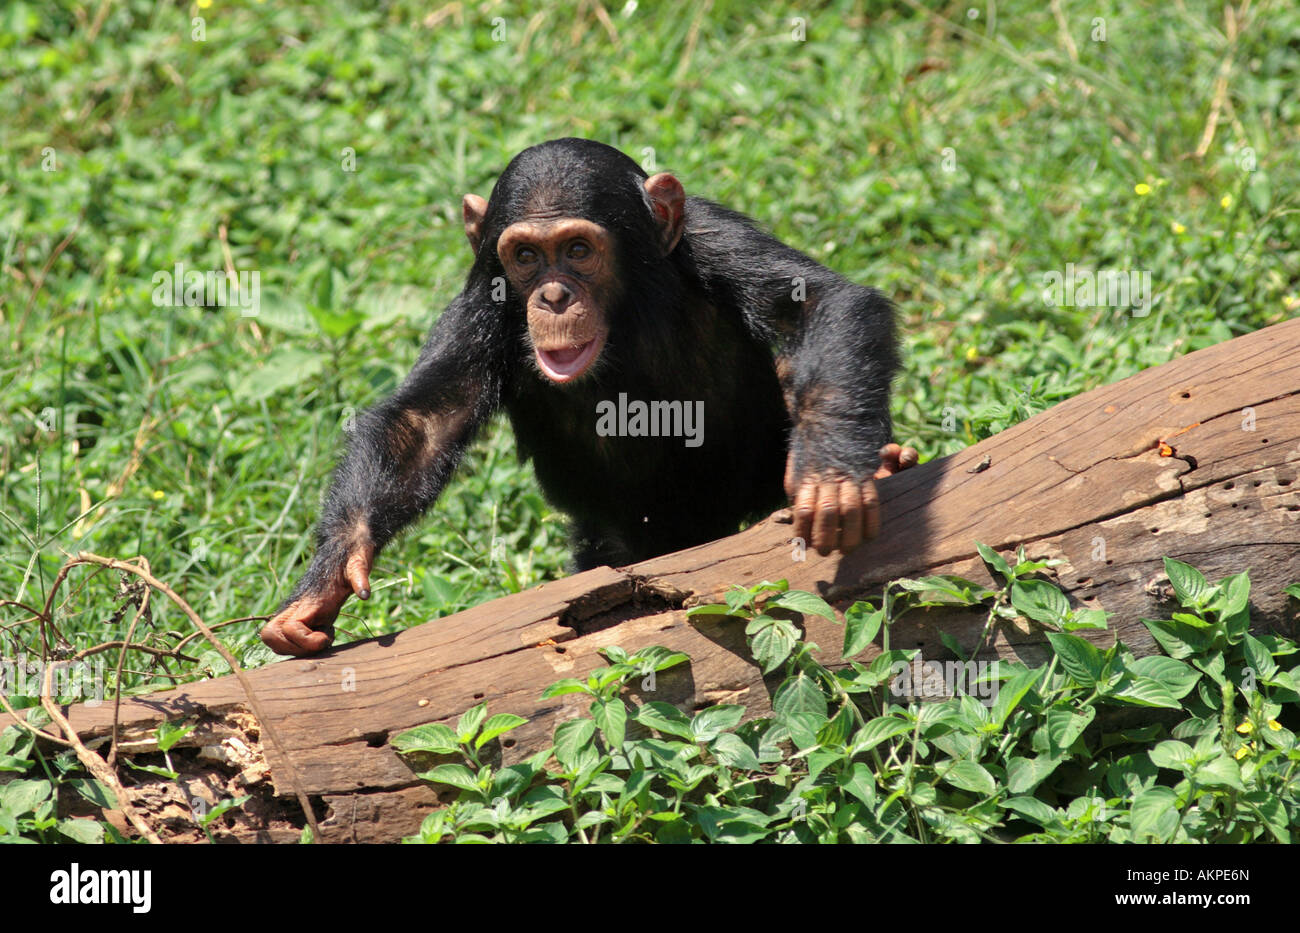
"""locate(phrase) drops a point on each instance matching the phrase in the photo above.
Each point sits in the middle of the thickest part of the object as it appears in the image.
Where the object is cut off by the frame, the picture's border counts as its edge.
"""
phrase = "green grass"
(202, 439)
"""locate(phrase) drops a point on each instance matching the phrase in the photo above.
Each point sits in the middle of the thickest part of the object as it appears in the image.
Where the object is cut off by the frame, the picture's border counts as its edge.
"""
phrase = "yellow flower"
(1177, 227)
(1142, 189)
(972, 354)
(1225, 202)
(1275, 725)
(1242, 752)
(159, 494)
(1246, 728)
(203, 4)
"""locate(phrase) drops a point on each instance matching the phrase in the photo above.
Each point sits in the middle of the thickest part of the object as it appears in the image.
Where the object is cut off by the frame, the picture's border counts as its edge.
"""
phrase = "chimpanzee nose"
(556, 297)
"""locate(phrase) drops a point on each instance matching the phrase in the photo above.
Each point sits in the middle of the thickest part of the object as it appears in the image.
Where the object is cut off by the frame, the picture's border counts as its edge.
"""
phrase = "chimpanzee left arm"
(838, 355)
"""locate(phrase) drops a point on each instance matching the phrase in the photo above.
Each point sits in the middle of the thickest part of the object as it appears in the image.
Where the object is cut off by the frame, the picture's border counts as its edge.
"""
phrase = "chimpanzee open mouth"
(565, 364)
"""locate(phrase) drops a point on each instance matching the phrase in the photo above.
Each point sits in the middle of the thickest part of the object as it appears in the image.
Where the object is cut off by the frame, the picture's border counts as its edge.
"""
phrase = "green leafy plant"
(861, 753)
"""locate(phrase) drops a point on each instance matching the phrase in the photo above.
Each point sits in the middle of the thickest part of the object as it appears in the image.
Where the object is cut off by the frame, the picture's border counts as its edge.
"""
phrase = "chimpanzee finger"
(850, 516)
(291, 636)
(805, 504)
(826, 521)
(870, 510)
(894, 458)
(304, 640)
(358, 574)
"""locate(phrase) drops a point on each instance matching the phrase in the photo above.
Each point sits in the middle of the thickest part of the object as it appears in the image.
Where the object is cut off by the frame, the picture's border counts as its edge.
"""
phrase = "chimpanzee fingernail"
(364, 593)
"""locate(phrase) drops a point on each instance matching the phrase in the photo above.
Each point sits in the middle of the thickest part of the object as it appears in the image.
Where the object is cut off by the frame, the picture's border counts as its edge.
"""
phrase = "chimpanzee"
(628, 331)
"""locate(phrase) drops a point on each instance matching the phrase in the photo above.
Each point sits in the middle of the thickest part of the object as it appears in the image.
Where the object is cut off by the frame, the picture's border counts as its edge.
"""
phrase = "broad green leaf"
(611, 716)
(1154, 813)
(772, 644)
(1011, 692)
(665, 717)
(571, 739)
(1143, 691)
(659, 658)
(1222, 771)
(1086, 619)
(800, 694)
(709, 723)
(862, 624)
(712, 609)
(860, 782)
(432, 737)
(470, 721)
(1179, 639)
(819, 759)
(1189, 583)
(497, 725)
(1259, 658)
(803, 727)
(967, 775)
(561, 687)
(806, 603)
(878, 730)
(946, 590)
(1079, 658)
(1172, 754)
(87, 832)
(170, 733)
(1040, 601)
(1176, 677)
(995, 563)
(1032, 809)
(93, 790)
(730, 749)
(455, 775)
(1024, 774)
(1271, 811)
(1064, 725)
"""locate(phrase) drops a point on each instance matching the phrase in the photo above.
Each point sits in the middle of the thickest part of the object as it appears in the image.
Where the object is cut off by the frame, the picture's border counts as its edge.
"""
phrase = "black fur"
(699, 325)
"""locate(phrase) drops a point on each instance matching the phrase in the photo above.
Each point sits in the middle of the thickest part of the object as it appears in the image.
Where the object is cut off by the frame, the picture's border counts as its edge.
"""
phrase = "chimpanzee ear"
(668, 201)
(474, 209)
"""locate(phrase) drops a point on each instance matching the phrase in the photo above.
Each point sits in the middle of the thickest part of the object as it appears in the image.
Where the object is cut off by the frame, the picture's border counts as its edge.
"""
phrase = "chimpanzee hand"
(306, 625)
(832, 511)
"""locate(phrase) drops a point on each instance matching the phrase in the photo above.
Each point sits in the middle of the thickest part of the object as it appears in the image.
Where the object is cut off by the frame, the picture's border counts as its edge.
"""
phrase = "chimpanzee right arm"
(399, 457)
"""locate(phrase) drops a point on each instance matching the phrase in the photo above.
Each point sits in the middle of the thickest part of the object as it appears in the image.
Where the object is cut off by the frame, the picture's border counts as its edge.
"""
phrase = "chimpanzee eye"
(578, 249)
(525, 255)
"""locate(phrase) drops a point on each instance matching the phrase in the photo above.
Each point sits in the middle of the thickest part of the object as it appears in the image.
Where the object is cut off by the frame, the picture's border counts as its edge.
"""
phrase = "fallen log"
(1196, 460)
